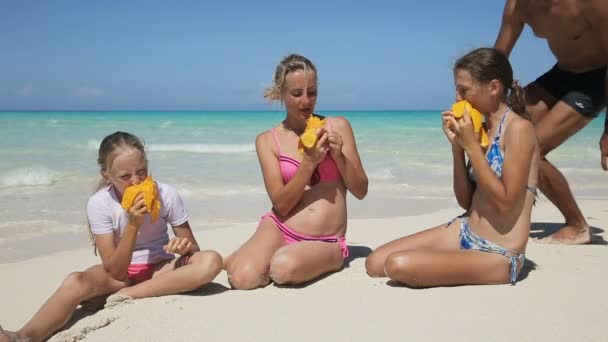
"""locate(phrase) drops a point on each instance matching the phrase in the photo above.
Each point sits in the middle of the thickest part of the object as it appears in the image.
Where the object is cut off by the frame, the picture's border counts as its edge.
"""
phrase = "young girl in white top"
(137, 255)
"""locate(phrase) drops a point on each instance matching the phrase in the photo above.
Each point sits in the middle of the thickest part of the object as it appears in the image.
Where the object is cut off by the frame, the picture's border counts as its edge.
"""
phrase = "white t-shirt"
(106, 215)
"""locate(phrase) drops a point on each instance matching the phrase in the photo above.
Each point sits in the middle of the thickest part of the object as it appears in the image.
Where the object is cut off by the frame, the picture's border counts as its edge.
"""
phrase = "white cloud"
(86, 92)
(26, 90)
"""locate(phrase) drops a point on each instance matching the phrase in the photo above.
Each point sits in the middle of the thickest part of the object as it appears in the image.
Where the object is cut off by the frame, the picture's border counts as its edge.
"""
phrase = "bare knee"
(283, 268)
(209, 263)
(374, 264)
(246, 277)
(402, 267)
(76, 284)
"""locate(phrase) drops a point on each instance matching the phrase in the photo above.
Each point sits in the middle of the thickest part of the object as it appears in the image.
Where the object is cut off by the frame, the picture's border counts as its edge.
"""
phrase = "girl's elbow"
(463, 198)
(282, 210)
(115, 270)
(361, 193)
(464, 204)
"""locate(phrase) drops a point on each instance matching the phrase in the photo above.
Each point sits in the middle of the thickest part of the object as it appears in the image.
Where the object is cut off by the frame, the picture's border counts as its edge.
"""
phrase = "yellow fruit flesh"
(458, 110)
(148, 188)
(309, 137)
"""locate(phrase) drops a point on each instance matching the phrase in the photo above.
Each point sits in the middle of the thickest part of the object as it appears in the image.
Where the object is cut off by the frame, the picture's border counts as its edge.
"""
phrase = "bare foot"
(9, 336)
(569, 235)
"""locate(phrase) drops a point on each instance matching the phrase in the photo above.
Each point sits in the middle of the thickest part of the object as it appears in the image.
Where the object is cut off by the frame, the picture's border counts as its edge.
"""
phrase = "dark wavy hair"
(487, 64)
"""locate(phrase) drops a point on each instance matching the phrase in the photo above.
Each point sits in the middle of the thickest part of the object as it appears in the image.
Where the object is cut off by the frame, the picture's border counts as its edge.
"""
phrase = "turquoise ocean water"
(48, 167)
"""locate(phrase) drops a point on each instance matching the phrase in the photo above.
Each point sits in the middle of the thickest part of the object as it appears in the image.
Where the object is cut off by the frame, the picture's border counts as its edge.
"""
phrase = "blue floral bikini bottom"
(470, 240)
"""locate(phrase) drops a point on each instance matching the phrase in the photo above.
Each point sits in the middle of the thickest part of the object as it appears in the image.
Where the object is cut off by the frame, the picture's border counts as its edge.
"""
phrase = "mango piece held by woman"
(148, 188)
(309, 137)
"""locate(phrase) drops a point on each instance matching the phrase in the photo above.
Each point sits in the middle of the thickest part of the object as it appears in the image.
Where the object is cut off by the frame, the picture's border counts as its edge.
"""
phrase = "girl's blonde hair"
(290, 63)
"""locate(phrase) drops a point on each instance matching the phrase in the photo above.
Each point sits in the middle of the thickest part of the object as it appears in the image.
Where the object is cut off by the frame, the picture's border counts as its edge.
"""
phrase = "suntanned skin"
(315, 210)
(498, 209)
(577, 35)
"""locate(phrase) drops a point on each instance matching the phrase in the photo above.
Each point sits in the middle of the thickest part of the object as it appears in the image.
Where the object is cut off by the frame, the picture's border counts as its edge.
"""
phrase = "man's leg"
(554, 123)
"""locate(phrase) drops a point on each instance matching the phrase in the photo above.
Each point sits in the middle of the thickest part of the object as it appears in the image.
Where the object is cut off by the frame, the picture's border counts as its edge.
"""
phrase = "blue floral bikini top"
(494, 155)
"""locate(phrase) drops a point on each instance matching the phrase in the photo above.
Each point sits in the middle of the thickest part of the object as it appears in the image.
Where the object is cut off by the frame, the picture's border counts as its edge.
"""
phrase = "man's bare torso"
(570, 35)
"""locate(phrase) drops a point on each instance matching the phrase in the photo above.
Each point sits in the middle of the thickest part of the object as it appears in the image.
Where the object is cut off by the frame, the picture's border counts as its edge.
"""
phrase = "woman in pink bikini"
(302, 237)
(136, 253)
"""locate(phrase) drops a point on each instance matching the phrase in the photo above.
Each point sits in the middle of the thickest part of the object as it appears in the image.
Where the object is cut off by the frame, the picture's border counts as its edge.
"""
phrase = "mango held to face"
(148, 187)
(458, 110)
(308, 139)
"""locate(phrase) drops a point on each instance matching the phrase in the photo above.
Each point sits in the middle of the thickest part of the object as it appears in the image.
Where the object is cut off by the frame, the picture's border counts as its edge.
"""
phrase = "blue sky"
(219, 55)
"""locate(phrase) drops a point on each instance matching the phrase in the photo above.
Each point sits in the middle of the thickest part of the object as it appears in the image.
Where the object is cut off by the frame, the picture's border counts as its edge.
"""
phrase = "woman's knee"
(402, 267)
(246, 276)
(374, 264)
(283, 268)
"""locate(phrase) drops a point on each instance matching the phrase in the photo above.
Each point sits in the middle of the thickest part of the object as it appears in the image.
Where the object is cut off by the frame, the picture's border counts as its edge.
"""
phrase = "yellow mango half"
(148, 187)
(308, 139)
(458, 110)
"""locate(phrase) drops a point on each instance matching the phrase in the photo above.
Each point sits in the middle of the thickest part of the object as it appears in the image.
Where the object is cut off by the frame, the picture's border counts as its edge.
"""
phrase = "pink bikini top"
(326, 170)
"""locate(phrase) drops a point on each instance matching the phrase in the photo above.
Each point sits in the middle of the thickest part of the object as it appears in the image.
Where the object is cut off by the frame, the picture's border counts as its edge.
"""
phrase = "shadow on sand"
(93, 305)
(541, 230)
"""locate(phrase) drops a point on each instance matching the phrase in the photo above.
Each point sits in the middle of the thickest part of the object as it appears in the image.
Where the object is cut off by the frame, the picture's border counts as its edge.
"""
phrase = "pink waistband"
(291, 236)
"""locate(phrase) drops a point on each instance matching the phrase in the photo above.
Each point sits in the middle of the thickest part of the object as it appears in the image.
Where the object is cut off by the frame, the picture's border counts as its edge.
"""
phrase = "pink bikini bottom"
(140, 272)
(290, 236)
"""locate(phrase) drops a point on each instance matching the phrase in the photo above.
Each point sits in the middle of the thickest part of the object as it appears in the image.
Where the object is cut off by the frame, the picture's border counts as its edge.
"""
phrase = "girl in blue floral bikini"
(486, 244)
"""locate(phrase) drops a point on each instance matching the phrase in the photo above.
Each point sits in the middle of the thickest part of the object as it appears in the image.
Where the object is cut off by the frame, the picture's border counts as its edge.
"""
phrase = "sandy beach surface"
(561, 296)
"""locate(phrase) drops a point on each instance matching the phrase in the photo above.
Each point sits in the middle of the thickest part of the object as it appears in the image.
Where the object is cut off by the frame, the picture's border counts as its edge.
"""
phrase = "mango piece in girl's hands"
(148, 188)
(458, 110)
(308, 139)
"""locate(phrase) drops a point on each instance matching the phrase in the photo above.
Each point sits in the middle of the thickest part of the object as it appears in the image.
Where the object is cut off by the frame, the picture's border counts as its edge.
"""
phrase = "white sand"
(563, 299)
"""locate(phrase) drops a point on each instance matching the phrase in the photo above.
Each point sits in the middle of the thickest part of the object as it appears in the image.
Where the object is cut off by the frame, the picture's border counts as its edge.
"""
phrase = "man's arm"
(510, 29)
